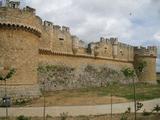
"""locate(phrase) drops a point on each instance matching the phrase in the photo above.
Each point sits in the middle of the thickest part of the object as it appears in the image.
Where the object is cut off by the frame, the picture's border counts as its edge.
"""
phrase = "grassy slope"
(101, 95)
(143, 91)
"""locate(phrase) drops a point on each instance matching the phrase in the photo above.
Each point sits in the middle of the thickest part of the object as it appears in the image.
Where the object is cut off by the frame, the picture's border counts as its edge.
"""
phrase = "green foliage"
(138, 106)
(145, 113)
(158, 81)
(58, 75)
(22, 117)
(124, 116)
(1, 77)
(140, 66)
(9, 74)
(156, 108)
(128, 110)
(90, 68)
(63, 116)
(54, 68)
(128, 72)
(104, 75)
(21, 101)
(48, 116)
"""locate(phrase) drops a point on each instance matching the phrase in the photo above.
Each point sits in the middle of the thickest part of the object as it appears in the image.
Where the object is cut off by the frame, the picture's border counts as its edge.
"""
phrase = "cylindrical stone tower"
(20, 31)
(147, 55)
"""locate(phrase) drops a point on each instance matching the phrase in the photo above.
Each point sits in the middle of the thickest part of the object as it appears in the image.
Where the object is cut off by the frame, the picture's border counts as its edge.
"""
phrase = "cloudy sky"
(135, 22)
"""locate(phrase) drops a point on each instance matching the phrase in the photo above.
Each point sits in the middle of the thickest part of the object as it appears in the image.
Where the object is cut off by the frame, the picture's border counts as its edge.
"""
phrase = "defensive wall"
(27, 42)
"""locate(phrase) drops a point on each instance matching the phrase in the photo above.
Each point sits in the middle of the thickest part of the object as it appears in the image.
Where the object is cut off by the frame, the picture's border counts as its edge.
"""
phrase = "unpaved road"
(77, 110)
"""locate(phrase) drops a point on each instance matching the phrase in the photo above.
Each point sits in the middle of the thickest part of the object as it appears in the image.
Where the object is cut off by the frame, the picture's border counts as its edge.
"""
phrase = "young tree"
(156, 108)
(130, 73)
(5, 78)
(140, 66)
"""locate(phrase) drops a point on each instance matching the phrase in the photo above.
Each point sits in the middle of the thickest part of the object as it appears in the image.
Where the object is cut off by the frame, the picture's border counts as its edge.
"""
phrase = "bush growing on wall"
(55, 76)
(58, 77)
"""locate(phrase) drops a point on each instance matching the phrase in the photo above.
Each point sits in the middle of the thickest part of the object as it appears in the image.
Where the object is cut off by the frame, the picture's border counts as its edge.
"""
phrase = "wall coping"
(49, 52)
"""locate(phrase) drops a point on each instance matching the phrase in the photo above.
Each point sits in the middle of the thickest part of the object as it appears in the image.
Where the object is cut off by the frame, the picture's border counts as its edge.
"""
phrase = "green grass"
(143, 91)
(98, 117)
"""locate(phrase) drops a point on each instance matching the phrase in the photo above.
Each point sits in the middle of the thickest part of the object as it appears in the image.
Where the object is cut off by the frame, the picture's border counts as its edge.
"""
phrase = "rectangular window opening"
(61, 38)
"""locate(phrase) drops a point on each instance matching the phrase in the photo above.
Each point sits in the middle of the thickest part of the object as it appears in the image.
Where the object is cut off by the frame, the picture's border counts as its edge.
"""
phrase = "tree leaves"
(128, 72)
(141, 65)
(9, 74)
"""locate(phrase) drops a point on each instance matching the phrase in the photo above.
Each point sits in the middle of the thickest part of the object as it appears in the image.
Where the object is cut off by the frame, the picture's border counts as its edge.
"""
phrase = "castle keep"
(27, 42)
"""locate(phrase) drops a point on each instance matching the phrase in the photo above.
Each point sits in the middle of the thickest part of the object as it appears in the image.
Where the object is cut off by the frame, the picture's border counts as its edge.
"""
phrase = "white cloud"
(157, 36)
(132, 21)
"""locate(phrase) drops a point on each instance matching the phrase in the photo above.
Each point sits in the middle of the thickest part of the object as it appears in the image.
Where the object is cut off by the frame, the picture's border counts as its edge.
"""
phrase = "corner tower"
(147, 55)
(20, 31)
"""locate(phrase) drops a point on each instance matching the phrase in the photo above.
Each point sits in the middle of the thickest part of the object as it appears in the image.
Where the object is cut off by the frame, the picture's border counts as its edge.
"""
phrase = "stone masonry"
(27, 42)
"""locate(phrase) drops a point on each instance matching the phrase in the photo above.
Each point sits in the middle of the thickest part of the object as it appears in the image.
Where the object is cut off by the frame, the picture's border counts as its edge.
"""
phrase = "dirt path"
(78, 110)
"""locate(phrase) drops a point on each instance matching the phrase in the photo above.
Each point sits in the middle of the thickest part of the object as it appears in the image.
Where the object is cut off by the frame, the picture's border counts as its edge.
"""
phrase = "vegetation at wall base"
(68, 97)
(22, 117)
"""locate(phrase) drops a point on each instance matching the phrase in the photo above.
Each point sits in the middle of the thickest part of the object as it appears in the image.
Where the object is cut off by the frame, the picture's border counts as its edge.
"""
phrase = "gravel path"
(78, 110)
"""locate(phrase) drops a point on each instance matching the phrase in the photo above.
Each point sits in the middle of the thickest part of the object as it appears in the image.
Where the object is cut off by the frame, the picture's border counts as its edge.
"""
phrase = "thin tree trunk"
(6, 100)
(134, 92)
(44, 103)
(111, 104)
(5, 88)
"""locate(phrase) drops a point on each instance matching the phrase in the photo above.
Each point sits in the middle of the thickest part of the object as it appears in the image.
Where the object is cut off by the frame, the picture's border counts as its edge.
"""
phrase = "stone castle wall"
(27, 42)
(59, 39)
(71, 71)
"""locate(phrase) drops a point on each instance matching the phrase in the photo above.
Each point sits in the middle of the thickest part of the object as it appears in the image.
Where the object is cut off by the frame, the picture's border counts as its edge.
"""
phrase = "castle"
(27, 42)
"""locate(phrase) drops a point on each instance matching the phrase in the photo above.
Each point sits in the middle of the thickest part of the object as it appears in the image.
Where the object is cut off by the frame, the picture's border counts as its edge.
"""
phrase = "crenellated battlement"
(146, 51)
(48, 24)
(26, 19)
(29, 9)
(20, 19)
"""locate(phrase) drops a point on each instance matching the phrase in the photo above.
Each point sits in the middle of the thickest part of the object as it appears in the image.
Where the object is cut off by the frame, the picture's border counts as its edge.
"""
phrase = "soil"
(59, 100)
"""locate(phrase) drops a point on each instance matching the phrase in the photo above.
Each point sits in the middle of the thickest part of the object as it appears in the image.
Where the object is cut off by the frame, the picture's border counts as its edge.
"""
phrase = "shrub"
(48, 116)
(22, 117)
(124, 117)
(21, 101)
(146, 113)
(158, 81)
(156, 108)
(63, 116)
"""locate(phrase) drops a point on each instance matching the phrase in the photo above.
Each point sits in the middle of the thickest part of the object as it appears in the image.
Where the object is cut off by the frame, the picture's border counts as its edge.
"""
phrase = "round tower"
(145, 63)
(20, 31)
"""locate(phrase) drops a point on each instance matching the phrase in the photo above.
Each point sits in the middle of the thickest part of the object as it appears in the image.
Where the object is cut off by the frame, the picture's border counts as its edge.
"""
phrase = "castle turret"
(75, 44)
(115, 47)
(12, 3)
(145, 58)
(19, 36)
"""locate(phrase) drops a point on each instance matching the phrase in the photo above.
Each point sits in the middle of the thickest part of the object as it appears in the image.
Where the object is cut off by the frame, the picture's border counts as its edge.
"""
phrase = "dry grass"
(81, 100)
(94, 96)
